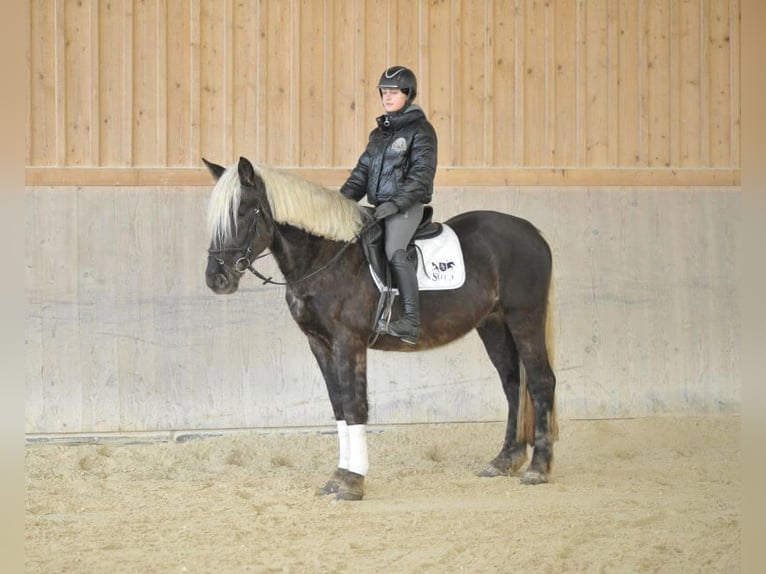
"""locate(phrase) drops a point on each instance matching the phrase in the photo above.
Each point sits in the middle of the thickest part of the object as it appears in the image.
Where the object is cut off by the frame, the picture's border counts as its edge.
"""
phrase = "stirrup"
(406, 334)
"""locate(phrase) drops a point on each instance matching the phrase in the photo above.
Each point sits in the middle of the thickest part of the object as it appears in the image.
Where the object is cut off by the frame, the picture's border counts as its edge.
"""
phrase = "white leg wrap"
(343, 446)
(357, 441)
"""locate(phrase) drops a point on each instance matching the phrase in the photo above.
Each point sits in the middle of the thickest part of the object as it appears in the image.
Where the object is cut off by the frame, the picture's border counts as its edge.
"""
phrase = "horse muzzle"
(219, 279)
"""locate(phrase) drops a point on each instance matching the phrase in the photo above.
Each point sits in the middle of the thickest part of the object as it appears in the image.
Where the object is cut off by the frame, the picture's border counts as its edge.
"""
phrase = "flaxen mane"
(293, 201)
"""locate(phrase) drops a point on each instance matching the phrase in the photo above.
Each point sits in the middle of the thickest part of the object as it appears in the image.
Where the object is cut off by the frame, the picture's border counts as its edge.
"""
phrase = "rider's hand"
(386, 209)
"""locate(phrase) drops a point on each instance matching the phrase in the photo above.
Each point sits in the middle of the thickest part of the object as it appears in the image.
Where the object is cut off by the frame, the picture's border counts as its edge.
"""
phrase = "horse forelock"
(311, 207)
(223, 206)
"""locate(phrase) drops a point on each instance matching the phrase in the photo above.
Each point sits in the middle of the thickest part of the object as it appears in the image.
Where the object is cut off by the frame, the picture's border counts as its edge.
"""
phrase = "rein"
(246, 261)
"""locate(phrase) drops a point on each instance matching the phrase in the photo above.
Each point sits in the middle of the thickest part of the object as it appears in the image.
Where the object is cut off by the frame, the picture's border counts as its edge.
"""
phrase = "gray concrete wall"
(123, 335)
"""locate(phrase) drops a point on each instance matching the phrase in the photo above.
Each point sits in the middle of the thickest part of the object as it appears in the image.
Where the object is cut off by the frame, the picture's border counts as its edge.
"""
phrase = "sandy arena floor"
(642, 495)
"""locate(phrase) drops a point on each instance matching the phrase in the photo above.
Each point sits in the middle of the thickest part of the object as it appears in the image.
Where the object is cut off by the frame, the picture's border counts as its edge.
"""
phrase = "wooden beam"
(448, 176)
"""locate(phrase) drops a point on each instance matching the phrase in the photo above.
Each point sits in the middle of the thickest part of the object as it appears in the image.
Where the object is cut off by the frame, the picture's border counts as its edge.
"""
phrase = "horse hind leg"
(502, 351)
(529, 332)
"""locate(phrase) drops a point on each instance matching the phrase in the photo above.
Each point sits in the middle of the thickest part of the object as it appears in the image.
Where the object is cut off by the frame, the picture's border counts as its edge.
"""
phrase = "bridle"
(245, 263)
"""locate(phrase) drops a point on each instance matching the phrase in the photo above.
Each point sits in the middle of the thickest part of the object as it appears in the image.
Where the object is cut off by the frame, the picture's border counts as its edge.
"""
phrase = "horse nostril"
(220, 281)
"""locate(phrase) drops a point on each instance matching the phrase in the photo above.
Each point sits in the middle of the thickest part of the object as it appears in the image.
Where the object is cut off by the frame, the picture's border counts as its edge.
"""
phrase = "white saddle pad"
(440, 262)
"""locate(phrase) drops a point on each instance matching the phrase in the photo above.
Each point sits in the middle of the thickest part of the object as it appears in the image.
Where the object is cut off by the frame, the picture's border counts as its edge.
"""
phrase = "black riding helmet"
(399, 77)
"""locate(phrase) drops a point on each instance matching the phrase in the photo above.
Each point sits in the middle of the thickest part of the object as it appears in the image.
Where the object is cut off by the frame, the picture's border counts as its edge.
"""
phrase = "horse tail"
(525, 421)
(550, 345)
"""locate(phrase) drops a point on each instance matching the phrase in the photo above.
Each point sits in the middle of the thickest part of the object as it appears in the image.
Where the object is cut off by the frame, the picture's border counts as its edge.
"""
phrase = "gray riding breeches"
(401, 227)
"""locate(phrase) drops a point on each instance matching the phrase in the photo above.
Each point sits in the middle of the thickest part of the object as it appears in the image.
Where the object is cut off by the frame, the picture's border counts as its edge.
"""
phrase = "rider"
(396, 172)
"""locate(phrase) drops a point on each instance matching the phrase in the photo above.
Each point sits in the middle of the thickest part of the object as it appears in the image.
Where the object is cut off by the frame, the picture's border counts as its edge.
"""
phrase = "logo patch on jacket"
(400, 144)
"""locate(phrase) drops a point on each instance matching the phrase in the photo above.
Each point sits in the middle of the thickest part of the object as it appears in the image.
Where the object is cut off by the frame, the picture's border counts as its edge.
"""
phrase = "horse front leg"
(345, 375)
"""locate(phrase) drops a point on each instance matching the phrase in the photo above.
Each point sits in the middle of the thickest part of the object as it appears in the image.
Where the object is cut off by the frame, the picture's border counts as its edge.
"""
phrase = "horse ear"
(215, 169)
(246, 172)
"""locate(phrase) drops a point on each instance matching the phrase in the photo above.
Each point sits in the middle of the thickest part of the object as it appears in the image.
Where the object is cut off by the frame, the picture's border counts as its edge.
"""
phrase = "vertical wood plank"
(674, 77)
(317, 100)
(145, 83)
(549, 101)
(720, 83)
(341, 94)
(127, 115)
(228, 80)
(404, 26)
(597, 85)
(628, 85)
(658, 88)
(179, 84)
(613, 79)
(111, 85)
(705, 66)
(690, 82)
(470, 76)
(534, 83)
(245, 83)
(212, 102)
(581, 131)
(195, 81)
(374, 60)
(94, 41)
(520, 84)
(503, 88)
(278, 88)
(564, 85)
(77, 94)
(441, 72)
(642, 129)
(42, 144)
(734, 71)
(261, 69)
(161, 130)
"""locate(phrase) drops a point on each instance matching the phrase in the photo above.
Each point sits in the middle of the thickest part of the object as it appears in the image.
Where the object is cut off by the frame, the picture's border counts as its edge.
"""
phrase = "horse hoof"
(351, 495)
(534, 477)
(331, 487)
(491, 471)
(334, 483)
(352, 487)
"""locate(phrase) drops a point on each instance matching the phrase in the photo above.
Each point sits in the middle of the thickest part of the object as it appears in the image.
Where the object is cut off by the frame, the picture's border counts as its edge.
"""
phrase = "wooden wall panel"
(513, 87)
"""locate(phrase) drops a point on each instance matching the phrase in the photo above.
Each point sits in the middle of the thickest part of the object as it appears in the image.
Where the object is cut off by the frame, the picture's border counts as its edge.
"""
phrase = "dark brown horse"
(311, 233)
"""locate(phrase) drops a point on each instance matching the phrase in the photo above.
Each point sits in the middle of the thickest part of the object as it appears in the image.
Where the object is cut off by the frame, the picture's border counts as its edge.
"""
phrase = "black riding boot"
(406, 327)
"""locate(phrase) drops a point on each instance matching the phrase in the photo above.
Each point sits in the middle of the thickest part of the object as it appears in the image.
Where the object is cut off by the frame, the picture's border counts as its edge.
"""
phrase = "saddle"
(374, 246)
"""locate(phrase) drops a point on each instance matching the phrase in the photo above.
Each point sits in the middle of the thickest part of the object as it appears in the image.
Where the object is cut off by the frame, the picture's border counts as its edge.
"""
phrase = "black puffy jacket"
(399, 163)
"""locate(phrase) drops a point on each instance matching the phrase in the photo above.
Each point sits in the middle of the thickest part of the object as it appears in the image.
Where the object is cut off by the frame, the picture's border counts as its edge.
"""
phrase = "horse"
(312, 232)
